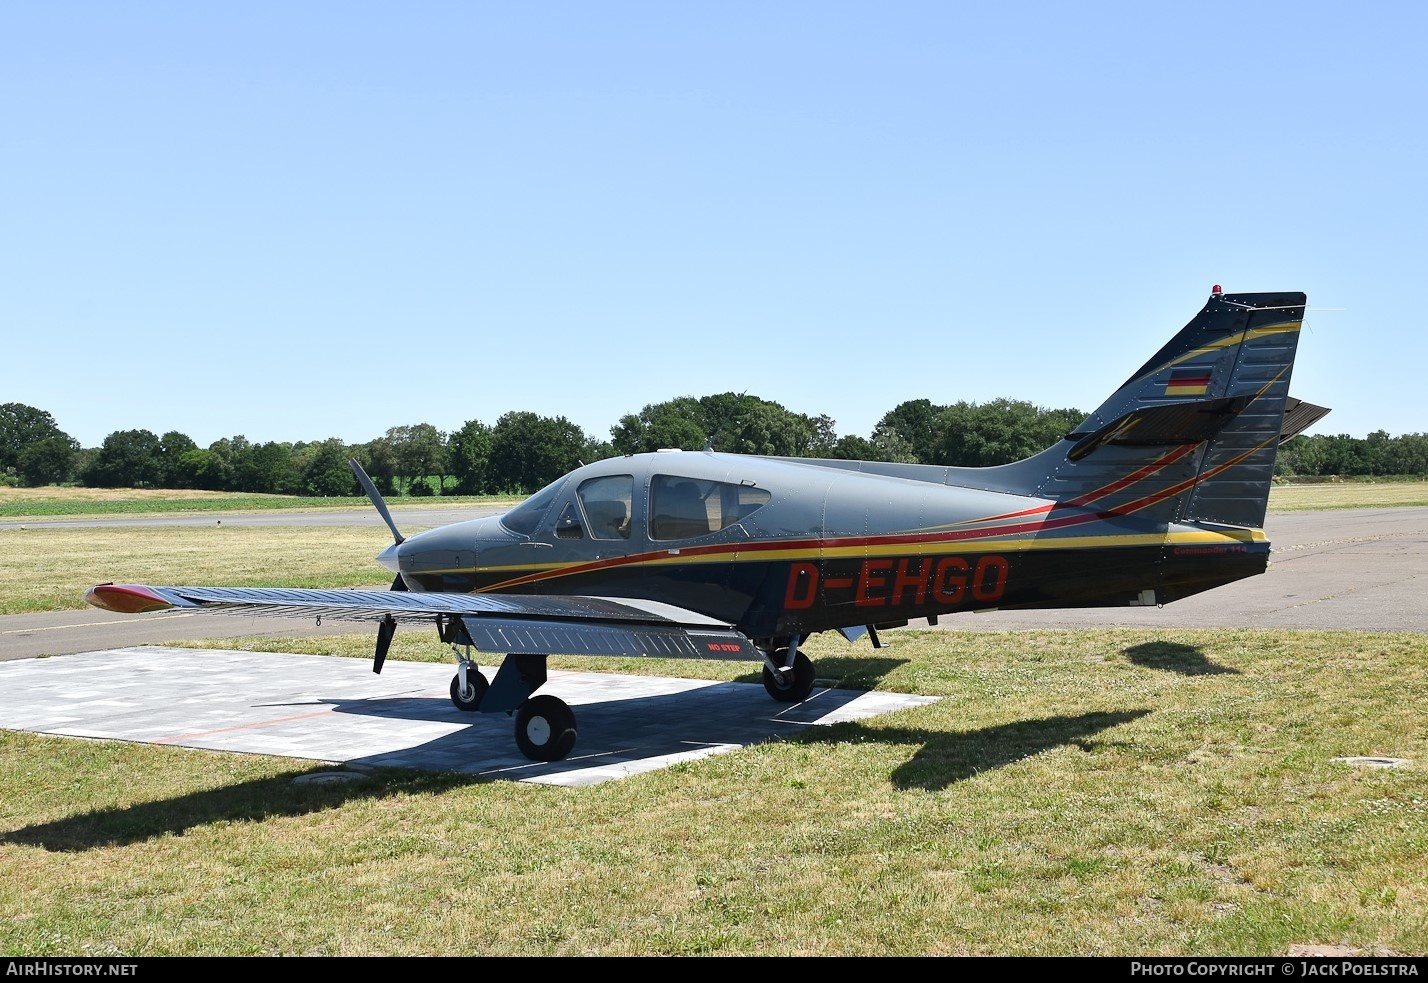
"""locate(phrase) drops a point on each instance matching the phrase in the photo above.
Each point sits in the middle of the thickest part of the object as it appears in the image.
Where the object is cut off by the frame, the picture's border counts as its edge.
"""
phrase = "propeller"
(376, 498)
(388, 626)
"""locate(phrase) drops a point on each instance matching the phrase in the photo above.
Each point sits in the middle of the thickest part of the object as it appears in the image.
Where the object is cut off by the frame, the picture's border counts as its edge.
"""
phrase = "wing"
(518, 624)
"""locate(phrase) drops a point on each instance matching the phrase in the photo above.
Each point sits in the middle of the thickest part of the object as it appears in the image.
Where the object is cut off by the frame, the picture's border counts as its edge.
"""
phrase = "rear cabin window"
(683, 508)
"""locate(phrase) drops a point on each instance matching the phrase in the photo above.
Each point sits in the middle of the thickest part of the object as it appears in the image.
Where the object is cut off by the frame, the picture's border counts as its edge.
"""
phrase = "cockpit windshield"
(524, 518)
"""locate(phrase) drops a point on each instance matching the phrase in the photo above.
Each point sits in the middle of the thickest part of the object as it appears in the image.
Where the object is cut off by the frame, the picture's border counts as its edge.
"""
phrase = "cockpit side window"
(683, 508)
(606, 502)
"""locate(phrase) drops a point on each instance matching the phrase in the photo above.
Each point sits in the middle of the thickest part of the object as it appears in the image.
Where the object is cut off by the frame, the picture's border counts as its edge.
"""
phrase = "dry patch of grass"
(1347, 495)
(66, 493)
(49, 569)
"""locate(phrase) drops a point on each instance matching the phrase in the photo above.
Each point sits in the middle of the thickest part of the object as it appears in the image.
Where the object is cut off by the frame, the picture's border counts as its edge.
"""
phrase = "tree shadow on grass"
(1187, 660)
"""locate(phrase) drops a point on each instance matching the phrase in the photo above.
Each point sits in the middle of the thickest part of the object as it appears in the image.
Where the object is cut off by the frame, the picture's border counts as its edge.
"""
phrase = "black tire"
(787, 689)
(478, 685)
(545, 728)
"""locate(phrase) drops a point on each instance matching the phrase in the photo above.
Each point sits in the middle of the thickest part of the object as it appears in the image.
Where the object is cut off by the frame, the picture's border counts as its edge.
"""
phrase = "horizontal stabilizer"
(1299, 416)
(1166, 424)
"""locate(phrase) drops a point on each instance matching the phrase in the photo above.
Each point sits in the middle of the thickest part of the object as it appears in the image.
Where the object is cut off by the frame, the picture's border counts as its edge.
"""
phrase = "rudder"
(1193, 434)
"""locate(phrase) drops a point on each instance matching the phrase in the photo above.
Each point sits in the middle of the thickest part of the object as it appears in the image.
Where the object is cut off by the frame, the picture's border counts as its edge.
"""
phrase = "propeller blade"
(398, 583)
(376, 498)
(385, 630)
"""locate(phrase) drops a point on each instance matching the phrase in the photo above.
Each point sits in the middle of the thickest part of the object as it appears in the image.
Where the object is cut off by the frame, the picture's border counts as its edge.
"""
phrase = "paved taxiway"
(1362, 569)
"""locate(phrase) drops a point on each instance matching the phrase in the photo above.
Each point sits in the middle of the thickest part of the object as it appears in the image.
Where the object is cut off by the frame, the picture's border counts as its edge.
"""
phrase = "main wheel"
(790, 688)
(476, 685)
(545, 728)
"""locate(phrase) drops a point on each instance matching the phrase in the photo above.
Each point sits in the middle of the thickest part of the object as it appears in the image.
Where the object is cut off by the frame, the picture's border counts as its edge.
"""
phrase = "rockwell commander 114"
(1161, 493)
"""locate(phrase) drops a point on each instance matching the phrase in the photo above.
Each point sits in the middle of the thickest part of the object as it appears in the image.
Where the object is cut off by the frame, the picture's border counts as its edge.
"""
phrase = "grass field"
(71, 503)
(1094, 792)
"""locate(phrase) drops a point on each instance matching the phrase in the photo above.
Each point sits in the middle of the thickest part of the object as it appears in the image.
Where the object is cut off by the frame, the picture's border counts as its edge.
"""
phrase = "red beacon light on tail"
(1216, 290)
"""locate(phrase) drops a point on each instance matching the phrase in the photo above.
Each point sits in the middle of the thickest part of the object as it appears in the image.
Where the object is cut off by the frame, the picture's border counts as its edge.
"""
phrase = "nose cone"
(389, 558)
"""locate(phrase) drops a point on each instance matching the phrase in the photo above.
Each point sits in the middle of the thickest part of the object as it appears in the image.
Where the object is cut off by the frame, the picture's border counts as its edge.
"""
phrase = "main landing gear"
(545, 724)
(788, 673)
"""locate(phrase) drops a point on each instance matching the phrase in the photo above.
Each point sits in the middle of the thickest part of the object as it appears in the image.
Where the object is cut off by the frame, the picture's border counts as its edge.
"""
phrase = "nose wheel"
(470, 698)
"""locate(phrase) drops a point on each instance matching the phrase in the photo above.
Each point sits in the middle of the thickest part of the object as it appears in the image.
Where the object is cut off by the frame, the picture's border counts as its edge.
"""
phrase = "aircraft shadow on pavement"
(627, 735)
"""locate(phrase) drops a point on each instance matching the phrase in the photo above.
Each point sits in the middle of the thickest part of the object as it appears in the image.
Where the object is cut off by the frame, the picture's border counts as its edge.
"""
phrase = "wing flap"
(533, 638)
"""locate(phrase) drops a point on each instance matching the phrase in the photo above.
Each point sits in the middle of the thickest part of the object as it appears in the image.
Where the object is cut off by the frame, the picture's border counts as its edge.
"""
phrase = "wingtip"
(125, 598)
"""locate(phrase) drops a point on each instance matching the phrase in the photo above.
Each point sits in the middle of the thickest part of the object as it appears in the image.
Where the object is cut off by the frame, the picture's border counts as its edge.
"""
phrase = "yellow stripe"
(1234, 339)
(1188, 537)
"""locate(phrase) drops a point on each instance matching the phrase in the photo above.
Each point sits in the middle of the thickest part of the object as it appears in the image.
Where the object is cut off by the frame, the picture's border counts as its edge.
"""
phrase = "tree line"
(523, 451)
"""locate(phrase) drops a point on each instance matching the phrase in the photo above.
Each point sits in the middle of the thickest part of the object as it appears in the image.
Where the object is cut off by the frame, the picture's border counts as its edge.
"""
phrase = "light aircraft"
(1161, 493)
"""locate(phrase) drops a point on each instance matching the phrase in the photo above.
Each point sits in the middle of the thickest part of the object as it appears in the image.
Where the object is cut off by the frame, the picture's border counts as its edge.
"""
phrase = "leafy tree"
(677, 422)
(529, 451)
(911, 429)
(201, 467)
(419, 451)
(469, 457)
(1342, 454)
(20, 426)
(48, 461)
(1000, 432)
(596, 450)
(720, 416)
(226, 460)
(852, 448)
(825, 436)
(889, 445)
(1407, 454)
(379, 462)
(172, 448)
(126, 459)
(768, 428)
(268, 468)
(324, 471)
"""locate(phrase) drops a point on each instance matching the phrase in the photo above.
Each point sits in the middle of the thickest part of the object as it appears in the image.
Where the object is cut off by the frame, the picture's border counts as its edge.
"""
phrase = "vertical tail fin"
(1192, 435)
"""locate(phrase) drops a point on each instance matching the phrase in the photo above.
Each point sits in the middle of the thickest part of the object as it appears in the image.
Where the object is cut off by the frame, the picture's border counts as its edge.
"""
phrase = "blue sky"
(295, 221)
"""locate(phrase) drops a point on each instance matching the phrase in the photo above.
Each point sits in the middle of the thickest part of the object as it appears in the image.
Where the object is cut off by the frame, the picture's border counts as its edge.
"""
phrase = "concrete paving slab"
(332, 709)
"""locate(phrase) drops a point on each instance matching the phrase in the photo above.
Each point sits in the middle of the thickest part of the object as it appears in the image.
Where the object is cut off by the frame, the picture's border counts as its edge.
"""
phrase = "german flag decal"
(1188, 382)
